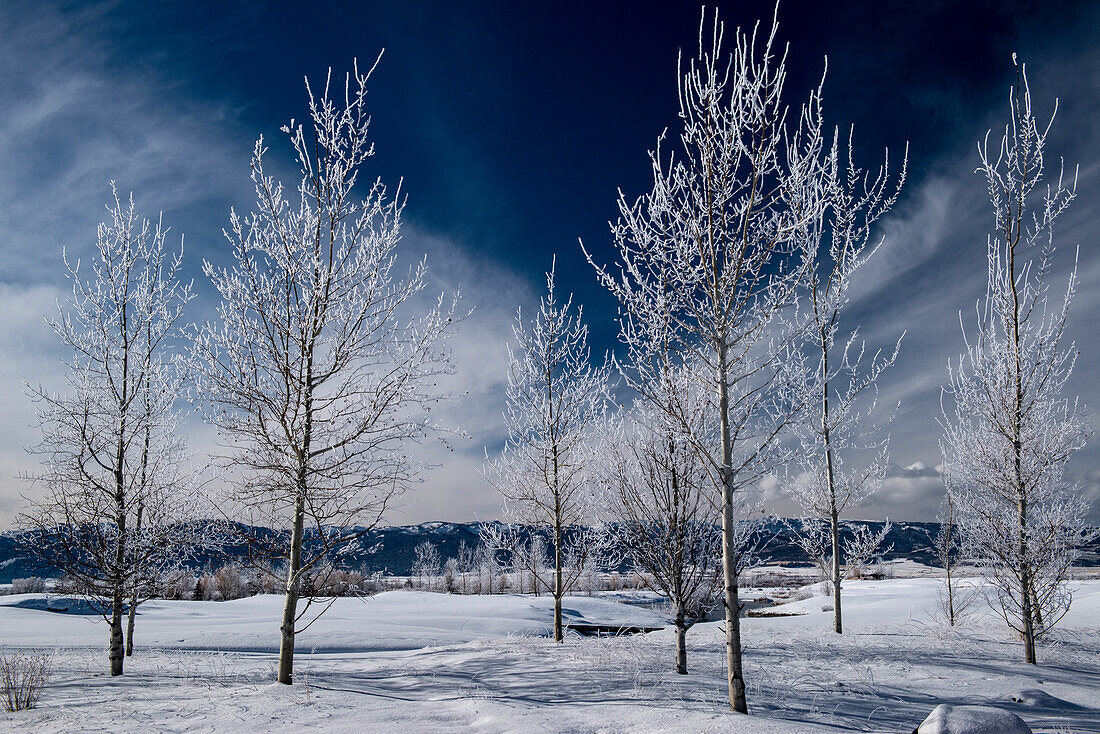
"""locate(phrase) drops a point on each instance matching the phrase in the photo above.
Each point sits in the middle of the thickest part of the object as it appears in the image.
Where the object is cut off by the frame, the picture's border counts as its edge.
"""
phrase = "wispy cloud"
(452, 488)
(75, 120)
(931, 272)
(75, 113)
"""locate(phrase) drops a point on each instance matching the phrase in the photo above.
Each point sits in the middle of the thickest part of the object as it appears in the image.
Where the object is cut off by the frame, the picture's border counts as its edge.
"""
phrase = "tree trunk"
(118, 578)
(118, 586)
(116, 650)
(293, 589)
(838, 627)
(1026, 614)
(681, 642)
(950, 596)
(134, 596)
(735, 674)
(1036, 609)
(830, 477)
(948, 565)
(130, 623)
(558, 590)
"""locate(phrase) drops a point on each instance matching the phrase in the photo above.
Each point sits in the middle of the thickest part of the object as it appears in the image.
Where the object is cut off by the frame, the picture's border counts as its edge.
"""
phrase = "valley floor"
(415, 662)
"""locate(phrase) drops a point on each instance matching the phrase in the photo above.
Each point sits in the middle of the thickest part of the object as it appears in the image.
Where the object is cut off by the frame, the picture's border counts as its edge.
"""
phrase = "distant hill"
(390, 550)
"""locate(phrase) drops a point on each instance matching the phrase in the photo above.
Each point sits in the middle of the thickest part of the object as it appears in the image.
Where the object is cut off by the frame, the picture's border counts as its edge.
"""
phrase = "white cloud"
(29, 355)
(72, 118)
(452, 489)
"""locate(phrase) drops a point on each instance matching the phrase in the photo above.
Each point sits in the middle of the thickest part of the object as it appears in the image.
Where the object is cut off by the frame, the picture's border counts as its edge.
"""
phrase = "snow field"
(420, 662)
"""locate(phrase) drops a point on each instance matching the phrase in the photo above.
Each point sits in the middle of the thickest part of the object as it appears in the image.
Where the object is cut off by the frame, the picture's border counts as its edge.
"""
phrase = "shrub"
(228, 584)
(329, 581)
(71, 585)
(29, 585)
(22, 677)
(180, 584)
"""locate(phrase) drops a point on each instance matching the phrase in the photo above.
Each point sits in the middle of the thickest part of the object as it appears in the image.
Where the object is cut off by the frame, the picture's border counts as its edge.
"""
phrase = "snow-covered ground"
(418, 662)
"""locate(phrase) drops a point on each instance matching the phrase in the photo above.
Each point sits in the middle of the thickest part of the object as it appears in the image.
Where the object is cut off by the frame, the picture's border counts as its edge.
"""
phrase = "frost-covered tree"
(837, 382)
(465, 564)
(859, 543)
(426, 564)
(662, 510)
(555, 397)
(114, 492)
(948, 551)
(450, 575)
(1009, 425)
(491, 543)
(323, 367)
(709, 258)
(862, 545)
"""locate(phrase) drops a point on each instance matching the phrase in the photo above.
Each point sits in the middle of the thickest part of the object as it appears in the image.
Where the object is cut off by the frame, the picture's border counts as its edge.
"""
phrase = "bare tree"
(862, 545)
(323, 368)
(663, 514)
(113, 506)
(555, 397)
(465, 564)
(1009, 427)
(947, 549)
(487, 557)
(426, 564)
(835, 381)
(709, 258)
(858, 545)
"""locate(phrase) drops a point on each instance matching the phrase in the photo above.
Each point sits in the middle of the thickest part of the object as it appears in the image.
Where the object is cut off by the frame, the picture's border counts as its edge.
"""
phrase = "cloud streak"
(76, 112)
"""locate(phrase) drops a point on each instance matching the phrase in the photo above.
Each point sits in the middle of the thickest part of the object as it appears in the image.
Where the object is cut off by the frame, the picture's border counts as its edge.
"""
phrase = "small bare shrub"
(806, 592)
(228, 584)
(329, 581)
(23, 675)
(180, 584)
(450, 575)
(71, 585)
(29, 585)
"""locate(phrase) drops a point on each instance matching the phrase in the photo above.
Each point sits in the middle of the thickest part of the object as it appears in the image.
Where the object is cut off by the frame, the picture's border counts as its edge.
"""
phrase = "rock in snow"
(1038, 698)
(946, 719)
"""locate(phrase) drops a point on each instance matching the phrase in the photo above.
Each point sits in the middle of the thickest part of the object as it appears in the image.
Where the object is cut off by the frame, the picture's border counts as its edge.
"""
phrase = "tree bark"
(838, 627)
(948, 533)
(950, 592)
(134, 596)
(293, 590)
(736, 676)
(116, 652)
(1036, 609)
(1027, 615)
(830, 478)
(681, 642)
(558, 590)
(118, 578)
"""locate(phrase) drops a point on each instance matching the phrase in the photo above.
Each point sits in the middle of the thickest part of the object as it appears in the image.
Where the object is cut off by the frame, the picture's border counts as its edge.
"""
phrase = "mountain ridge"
(390, 549)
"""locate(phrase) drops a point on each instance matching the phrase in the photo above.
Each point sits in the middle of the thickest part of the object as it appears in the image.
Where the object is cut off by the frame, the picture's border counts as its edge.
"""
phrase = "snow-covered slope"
(417, 662)
(395, 620)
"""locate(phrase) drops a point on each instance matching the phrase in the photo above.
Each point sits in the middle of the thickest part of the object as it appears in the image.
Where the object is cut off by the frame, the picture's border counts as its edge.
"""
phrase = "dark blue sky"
(513, 125)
